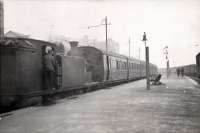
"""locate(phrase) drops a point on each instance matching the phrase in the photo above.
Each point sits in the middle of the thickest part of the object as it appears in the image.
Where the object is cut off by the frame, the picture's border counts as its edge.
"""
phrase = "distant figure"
(178, 72)
(49, 68)
(182, 71)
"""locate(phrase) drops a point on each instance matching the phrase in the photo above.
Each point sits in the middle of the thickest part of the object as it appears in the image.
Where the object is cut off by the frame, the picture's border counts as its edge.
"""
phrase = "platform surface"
(173, 107)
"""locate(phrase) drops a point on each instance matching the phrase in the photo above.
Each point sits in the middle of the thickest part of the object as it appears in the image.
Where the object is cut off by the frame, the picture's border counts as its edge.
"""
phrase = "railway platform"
(173, 107)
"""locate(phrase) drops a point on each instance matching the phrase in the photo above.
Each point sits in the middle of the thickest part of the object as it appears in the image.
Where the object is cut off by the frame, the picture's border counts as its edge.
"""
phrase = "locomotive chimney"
(73, 44)
(1, 20)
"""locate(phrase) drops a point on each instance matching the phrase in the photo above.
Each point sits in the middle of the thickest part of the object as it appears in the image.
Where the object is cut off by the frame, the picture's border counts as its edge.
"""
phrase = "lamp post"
(167, 60)
(197, 48)
(129, 56)
(147, 61)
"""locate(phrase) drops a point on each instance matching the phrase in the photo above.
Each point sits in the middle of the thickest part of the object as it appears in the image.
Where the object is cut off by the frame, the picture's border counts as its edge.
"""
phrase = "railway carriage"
(117, 67)
(192, 70)
(134, 69)
(198, 62)
(111, 66)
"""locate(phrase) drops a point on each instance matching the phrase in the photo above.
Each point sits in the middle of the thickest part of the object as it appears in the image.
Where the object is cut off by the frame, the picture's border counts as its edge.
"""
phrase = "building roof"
(15, 35)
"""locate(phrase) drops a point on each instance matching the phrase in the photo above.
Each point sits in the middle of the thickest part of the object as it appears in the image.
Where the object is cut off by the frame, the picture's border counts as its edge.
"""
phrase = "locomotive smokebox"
(73, 44)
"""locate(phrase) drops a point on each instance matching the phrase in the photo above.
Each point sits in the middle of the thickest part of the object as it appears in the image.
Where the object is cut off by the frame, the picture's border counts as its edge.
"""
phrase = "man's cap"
(48, 49)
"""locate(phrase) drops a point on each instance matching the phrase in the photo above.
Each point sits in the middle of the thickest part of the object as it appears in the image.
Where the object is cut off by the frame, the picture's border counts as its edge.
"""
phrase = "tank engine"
(22, 71)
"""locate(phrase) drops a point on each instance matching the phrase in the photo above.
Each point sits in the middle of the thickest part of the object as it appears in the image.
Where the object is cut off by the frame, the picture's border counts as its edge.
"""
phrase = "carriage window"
(113, 64)
(121, 65)
(125, 65)
(117, 64)
(137, 67)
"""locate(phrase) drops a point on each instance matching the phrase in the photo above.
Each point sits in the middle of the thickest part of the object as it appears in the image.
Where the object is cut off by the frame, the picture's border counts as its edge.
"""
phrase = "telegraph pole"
(106, 30)
(129, 45)
(106, 35)
(108, 73)
(147, 61)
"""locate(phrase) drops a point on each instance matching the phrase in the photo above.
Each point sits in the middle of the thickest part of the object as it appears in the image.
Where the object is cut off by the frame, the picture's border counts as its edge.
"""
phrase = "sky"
(172, 23)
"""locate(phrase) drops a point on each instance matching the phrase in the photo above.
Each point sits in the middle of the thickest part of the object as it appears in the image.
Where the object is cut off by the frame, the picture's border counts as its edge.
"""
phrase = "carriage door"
(108, 68)
(58, 73)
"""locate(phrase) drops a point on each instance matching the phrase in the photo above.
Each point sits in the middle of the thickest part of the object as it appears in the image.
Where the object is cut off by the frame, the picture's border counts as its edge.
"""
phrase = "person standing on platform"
(178, 72)
(182, 71)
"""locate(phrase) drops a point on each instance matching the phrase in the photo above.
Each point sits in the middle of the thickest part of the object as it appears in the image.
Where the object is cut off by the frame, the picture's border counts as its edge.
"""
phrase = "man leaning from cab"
(49, 68)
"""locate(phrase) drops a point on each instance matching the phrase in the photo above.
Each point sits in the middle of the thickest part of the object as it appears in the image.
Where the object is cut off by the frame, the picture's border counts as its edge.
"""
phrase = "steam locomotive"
(22, 72)
(193, 69)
